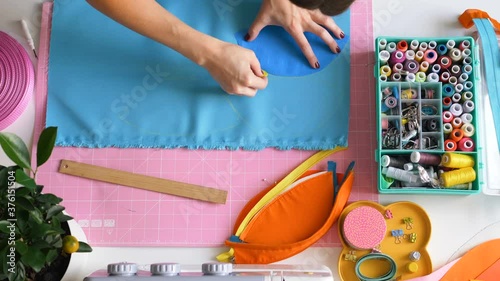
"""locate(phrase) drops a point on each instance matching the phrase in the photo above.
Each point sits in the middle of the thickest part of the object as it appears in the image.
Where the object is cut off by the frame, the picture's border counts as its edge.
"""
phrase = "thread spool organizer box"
(426, 105)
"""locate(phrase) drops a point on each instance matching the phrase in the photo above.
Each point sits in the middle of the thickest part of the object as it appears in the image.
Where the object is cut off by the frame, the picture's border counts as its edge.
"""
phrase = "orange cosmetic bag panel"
(290, 219)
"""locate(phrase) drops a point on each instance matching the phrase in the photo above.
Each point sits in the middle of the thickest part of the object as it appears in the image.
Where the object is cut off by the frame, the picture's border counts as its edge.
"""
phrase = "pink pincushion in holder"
(364, 228)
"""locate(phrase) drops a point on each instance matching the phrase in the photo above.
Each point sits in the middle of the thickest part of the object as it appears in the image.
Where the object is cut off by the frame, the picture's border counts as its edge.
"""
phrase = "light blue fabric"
(280, 55)
(110, 87)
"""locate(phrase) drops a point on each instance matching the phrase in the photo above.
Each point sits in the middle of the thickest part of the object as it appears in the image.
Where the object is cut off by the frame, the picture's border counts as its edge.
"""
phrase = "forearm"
(150, 19)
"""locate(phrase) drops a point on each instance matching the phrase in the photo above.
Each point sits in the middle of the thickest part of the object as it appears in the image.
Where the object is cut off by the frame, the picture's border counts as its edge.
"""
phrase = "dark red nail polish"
(316, 65)
(342, 35)
(247, 37)
(338, 49)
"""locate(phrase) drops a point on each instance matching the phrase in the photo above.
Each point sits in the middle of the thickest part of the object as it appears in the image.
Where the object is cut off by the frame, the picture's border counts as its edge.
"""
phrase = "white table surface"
(459, 222)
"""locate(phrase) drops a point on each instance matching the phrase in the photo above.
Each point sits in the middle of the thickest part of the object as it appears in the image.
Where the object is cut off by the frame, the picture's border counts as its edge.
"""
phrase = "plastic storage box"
(427, 129)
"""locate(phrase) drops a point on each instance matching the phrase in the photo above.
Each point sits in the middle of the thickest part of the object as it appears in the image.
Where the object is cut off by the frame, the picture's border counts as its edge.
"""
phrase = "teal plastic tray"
(426, 98)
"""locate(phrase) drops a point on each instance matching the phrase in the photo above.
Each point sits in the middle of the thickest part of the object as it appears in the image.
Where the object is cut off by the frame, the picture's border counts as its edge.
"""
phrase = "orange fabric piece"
(467, 17)
(475, 262)
(287, 238)
(492, 273)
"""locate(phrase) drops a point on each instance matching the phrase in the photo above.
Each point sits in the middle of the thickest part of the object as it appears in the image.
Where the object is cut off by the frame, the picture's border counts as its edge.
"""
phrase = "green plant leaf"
(54, 210)
(51, 256)
(23, 179)
(45, 145)
(36, 215)
(24, 203)
(15, 149)
(84, 247)
(64, 218)
(21, 247)
(3, 226)
(3, 177)
(34, 258)
(39, 189)
(22, 191)
(49, 198)
(21, 272)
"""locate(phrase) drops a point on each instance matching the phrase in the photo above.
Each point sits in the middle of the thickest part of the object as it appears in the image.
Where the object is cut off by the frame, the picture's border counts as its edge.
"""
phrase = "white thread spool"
(408, 167)
(453, 80)
(455, 54)
(410, 77)
(467, 69)
(468, 129)
(432, 45)
(468, 106)
(456, 97)
(384, 56)
(468, 85)
(457, 122)
(382, 44)
(450, 44)
(445, 76)
(463, 77)
(396, 77)
(383, 78)
(410, 55)
(466, 53)
(433, 77)
(391, 47)
(456, 109)
(467, 60)
(423, 46)
(459, 88)
(414, 45)
(436, 68)
(447, 128)
(397, 67)
(466, 118)
(400, 175)
(455, 70)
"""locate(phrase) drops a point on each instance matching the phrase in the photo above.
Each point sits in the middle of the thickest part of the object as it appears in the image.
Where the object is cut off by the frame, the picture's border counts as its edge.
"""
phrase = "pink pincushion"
(364, 228)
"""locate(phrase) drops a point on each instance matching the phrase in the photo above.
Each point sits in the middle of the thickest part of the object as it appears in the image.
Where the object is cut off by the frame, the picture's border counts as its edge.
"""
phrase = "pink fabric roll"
(364, 228)
(17, 79)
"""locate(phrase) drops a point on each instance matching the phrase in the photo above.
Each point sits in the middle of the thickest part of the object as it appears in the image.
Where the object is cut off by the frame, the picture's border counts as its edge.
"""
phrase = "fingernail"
(247, 37)
(316, 65)
(338, 49)
(264, 73)
(342, 35)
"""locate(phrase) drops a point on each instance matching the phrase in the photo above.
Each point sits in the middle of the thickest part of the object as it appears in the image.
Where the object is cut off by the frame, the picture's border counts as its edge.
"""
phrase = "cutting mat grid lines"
(113, 215)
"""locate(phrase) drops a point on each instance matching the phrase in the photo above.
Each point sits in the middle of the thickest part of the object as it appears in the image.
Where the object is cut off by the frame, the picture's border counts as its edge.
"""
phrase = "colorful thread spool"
(409, 94)
(444, 62)
(411, 66)
(448, 90)
(432, 45)
(385, 70)
(445, 76)
(400, 175)
(456, 123)
(391, 102)
(433, 77)
(396, 57)
(419, 55)
(456, 97)
(383, 78)
(382, 44)
(466, 119)
(447, 116)
(464, 45)
(456, 135)
(387, 161)
(424, 66)
(423, 46)
(447, 103)
(420, 77)
(467, 60)
(459, 176)
(467, 96)
(364, 228)
(455, 54)
(441, 49)
(384, 56)
(447, 128)
(456, 160)
(467, 69)
(468, 85)
(398, 67)
(436, 68)
(453, 80)
(410, 77)
(463, 78)
(450, 145)
(414, 45)
(391, 47)
(410, 55)
(468, 106)
(468, 129)
(450, 44)
(430, 56)
(396, 77)
(402, 46)
(425, 158)
(456, 109)
(466, 144)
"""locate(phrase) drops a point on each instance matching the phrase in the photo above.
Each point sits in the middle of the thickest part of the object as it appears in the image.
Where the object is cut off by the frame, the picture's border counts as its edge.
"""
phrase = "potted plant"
(35, 242)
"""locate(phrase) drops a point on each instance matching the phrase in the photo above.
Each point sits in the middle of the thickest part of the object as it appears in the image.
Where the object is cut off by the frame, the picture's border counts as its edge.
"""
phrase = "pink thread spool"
(396, 57)
(364, 228)
(430, 56)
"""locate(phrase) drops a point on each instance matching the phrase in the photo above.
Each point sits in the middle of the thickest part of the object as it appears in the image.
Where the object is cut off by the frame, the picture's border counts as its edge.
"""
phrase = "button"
(217, 268)
(122, 269)
(165, 269)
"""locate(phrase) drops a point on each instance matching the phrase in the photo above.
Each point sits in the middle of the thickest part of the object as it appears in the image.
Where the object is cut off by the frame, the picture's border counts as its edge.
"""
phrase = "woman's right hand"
(236, 69)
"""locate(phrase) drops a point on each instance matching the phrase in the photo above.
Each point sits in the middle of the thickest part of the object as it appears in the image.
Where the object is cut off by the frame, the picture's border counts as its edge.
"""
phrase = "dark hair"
(327, 7)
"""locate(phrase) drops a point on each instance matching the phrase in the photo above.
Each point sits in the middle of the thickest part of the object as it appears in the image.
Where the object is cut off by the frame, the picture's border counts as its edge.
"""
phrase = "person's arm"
(236, 69)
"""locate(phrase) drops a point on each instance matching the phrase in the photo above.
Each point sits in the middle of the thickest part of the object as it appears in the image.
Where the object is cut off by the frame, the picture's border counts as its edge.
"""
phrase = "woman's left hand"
(296, 21)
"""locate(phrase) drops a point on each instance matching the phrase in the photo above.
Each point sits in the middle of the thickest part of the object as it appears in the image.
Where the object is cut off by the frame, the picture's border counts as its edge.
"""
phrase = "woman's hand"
(235, 68)
(296, 21)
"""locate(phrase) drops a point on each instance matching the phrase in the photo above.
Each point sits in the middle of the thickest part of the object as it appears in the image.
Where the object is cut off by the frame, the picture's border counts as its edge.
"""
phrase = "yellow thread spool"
(385, 70)
(455, 160)
(459, 176)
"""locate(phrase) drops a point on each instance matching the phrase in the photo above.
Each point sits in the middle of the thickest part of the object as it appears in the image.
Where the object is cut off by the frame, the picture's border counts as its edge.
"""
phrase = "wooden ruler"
(143, 182)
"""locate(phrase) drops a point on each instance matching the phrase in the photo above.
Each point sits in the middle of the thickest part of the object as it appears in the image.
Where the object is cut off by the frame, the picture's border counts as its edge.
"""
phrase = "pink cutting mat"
(113, 215)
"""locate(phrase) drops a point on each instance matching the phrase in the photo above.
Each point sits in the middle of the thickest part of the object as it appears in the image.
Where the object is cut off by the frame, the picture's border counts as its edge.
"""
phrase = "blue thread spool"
(448, 90)
(467, 69)
(441, 49)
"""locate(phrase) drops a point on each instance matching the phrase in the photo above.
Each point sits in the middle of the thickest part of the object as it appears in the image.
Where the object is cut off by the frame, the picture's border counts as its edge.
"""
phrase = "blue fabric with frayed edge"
(110, 87)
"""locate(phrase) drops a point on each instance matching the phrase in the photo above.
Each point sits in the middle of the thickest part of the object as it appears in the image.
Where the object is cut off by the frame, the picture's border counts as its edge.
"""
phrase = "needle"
(28, 37)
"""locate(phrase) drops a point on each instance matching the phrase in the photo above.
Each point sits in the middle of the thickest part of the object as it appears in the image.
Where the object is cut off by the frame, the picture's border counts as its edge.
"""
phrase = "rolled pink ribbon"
(17, 80)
